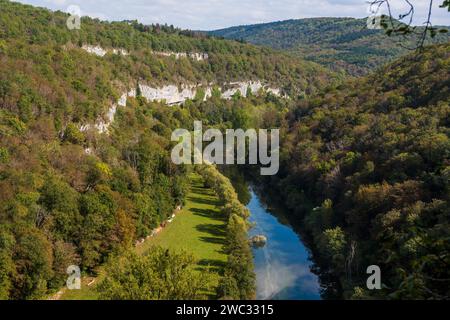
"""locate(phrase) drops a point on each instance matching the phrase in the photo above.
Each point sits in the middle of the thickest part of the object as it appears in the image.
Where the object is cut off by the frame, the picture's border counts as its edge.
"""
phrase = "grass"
(85, 293)
(199, 229)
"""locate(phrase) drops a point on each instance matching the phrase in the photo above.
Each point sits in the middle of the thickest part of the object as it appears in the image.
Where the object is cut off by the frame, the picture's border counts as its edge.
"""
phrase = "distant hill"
(339, 43)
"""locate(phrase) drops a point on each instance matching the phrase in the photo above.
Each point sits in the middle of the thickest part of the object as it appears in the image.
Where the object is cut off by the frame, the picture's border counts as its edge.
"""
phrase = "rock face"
(243, 87)
(101, 52)
(258, 241)
(97, 50)
(173, 95)
(197, 56)
(102, 125)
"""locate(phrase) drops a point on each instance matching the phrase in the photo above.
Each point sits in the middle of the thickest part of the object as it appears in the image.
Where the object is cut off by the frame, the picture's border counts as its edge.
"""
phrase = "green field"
(198, 229)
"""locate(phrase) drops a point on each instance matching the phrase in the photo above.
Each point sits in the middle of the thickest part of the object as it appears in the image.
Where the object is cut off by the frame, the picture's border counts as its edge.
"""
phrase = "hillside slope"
(339, 43)
(372, 158)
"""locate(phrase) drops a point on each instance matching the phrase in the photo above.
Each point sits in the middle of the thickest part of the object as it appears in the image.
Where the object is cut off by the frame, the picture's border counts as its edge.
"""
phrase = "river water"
(282, 267)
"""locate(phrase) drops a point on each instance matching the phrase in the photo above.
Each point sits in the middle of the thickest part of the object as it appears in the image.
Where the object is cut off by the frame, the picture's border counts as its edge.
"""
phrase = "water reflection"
(282, 267)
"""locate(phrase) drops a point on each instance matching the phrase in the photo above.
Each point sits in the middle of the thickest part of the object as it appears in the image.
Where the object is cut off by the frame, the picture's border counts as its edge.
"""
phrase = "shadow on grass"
(203, 201)
(213, 265)
(202, 191)
(217, 231)
(208, 214)
(213, 240)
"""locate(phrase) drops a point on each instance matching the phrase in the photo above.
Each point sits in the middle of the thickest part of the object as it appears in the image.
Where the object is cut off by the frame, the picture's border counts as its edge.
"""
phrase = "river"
(282, 266)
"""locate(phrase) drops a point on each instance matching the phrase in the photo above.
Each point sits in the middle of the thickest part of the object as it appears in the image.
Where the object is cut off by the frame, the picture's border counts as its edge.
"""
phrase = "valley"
(87, 177)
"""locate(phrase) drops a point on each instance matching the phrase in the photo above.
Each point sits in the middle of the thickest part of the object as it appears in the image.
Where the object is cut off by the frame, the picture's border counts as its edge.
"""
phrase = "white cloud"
(214, 14)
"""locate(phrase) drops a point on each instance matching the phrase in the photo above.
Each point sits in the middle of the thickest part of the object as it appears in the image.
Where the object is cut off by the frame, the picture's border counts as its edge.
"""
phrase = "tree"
(64, 255)
(333, 242)
(73, 135)
(7, 267)
(33, 259)
(61, 202)
(158, 275)
(4, 155)
(96, 237)
(239, 269)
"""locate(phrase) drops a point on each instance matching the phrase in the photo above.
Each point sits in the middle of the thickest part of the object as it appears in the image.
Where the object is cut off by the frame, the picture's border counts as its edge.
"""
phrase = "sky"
(216, 14)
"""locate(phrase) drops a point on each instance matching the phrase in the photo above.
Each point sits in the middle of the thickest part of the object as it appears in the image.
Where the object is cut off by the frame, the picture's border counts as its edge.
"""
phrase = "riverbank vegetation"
(160, 274)
(239, 278)
(364, 167)
(199, 229)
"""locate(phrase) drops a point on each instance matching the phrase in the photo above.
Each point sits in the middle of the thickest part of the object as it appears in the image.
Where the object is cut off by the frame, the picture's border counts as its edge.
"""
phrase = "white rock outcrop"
(101, 52)
(123, 100)
(120, 51)
(243, 87)
(173, 95)
(197, 56)
(103, 125)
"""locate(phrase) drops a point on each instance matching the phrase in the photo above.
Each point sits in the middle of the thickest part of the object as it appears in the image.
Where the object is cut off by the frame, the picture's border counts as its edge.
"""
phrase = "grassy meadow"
(198, 229)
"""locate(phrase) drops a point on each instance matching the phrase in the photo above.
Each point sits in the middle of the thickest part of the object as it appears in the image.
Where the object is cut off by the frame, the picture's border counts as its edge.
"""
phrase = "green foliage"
(7, 267)
(73, 135)
(371, 155)
(239, 268)
(33, 262)
(333, 243)
(60, 201)
(158, 275)
(320, 218)
(4, 155)
(225, 190)
(239, 279)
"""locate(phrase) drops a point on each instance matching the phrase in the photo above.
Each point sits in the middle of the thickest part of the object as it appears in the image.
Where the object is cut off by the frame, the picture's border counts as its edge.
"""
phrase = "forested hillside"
(72, 196)
(41, 38)
(365, 169)
(339, 43)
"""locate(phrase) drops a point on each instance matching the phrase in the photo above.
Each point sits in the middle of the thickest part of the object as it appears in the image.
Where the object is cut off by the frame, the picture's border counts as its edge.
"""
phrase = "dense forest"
(339, 43)
(365, 169)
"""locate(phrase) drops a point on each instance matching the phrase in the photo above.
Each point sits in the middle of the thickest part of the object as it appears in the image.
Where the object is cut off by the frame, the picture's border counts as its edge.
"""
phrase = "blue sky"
(215, 14)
